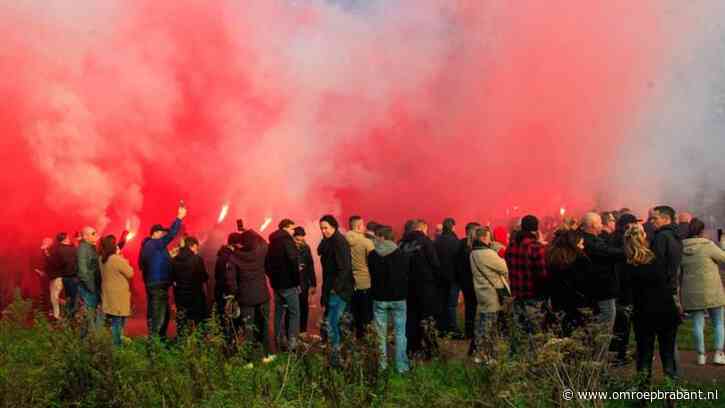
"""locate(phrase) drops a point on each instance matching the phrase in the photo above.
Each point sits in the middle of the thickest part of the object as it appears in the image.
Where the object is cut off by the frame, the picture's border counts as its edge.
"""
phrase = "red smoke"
(293, 109)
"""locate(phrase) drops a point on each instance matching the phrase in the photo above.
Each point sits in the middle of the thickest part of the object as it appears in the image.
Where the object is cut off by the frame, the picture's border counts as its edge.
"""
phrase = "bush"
(49, 365)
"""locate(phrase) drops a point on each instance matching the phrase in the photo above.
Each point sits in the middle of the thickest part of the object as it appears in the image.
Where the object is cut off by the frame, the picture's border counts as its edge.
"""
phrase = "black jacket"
(389, 275)
(569, 284)
(188, 274)
(623, 277)
(464, 274)
(307, 272)
(220, 272)
(653, 297)
(683, 230)
(336, 261)
(447, 247)
(424, 262)
(282, 261)
(62, 262)
(245, 275)
(603, 283)
(667, 247)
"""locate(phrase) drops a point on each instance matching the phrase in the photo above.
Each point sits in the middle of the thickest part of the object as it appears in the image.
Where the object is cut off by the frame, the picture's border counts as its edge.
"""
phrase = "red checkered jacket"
(526, 262)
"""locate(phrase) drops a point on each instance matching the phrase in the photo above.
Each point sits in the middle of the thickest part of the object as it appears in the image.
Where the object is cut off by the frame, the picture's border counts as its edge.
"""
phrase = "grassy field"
(42, 365)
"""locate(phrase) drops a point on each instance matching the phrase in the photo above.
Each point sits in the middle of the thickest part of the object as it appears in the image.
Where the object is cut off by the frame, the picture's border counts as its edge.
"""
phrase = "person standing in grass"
(89, 275)
(702, 289)
(656, 314)
(389, 289)
(116, 275)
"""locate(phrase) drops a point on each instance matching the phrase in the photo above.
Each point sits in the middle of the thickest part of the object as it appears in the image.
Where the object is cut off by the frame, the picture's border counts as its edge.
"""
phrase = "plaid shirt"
(527, 269)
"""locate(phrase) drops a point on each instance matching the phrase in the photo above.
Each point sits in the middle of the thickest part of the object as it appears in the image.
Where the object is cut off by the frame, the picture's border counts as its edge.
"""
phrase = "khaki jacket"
(360, 247)
(486, 266)
(701, 283)
(116, 289)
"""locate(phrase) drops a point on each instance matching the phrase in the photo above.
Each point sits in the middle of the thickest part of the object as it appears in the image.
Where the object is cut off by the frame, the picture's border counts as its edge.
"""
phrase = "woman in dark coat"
(656, 314)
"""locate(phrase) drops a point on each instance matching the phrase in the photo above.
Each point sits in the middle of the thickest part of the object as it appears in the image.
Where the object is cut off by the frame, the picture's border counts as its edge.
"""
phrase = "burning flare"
(131, 226)
(264, 226)
(223, 213)
(562, 211)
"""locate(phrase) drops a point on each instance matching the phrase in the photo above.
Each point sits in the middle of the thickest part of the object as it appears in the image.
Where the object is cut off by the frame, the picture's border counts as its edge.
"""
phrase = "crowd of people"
(610, 269)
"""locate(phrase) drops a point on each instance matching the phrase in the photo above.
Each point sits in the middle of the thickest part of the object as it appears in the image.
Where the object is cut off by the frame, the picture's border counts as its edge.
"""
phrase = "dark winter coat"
(220, 272)
(464, 274)
(336, 260)
(308, 279)
(282, 261)
(667, 247)
(188, 275)
(653, 295)
(424, 263)
(389, 269)
(245, 275)
(624, 281)
(447, 247)
(89, 270)
(63, 262)
(569, 284)
(603, 283)
(154, 259)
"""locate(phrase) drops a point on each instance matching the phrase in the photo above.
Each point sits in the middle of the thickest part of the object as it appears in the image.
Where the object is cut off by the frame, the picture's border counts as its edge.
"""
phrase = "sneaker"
(477, 360)
(719, 358)
(701, 359)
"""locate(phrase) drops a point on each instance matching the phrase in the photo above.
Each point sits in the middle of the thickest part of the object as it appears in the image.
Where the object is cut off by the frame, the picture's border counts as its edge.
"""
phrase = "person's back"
(389, 269)
(527, 267)
(281, 263)
(116, 275)
(702, 286)
(424, 259)
(188, 275)
(248, 281)
(360, 247)
(447, 247)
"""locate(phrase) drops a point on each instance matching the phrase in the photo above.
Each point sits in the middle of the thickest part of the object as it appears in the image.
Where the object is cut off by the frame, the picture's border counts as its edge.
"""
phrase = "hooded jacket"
(89, 270)
(245, 274)
(360, 247)
(447, 247)
(282, 261)
(488, 268)
(702, 286)
(154, 258)
(188, 273)
(389, 270)
(336, 261)
(424, 262)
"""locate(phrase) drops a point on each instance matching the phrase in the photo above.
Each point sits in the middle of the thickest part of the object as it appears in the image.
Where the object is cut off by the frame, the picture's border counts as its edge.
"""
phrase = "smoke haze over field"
(115, 110)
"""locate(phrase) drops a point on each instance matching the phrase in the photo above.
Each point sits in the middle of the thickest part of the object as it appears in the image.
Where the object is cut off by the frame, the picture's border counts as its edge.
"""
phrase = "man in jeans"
(155, 264)
(389, 287)
(89, 275)
(282, 267)
(525, 259)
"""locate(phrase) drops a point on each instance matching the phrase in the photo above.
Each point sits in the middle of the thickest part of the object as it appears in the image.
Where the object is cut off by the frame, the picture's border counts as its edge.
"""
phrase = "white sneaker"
(719, 358)
(701, 359)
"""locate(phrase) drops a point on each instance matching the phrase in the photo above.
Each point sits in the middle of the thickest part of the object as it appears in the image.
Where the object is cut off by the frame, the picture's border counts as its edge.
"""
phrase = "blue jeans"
(287, 301)
(698, 322)
(525, 315)
(70, 285)
(158, 310)
(484, 335)
(94, 316)
(117, 325)
(452, 308)
(336, 307)
(398, 310)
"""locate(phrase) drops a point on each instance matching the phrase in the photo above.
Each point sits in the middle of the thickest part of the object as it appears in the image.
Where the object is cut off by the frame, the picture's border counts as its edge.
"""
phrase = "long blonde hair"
(636, 247)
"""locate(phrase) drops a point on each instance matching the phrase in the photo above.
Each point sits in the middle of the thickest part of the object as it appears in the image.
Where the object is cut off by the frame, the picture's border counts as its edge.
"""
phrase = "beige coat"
(360, 247)
(701, 284)
(116, 276)
(485, 263)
